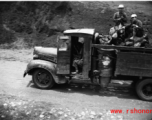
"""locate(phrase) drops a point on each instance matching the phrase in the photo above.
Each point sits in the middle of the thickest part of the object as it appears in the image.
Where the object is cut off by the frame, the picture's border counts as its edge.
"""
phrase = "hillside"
(26, 24)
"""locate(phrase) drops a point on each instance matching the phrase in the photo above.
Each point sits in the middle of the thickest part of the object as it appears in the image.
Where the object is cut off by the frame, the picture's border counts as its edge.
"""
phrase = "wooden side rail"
(125, 48)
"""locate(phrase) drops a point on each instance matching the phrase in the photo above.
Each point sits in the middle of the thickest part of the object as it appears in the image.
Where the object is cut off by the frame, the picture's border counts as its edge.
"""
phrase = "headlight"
(34, 53)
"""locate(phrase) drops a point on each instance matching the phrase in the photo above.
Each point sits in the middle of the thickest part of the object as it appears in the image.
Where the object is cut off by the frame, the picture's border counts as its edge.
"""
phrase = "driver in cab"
(78, 57)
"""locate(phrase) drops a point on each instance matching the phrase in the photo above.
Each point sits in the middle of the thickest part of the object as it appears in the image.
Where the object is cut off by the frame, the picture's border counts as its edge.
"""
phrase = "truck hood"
(49, 53)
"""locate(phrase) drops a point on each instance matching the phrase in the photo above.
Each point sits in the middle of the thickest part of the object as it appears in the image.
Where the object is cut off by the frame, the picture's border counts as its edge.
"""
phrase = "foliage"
(38, 22)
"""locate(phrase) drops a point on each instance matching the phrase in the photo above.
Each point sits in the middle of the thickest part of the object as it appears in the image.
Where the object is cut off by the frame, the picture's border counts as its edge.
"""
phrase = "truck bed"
(131, 61)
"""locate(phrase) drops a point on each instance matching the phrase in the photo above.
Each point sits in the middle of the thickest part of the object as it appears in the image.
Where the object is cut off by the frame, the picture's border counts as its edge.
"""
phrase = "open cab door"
(76, 46)
(88, 35)
(63, 55)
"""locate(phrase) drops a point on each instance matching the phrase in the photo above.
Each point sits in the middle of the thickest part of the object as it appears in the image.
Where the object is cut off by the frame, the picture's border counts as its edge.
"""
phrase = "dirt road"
(76, 98)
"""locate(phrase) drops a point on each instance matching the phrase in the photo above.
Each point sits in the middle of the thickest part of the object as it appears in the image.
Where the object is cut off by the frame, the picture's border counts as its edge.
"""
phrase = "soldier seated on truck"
(137, 41)
(117, 34)
(78, 56)
(138, 36)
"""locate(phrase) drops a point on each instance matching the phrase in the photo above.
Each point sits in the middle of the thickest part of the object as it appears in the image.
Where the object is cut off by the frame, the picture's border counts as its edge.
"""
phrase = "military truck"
(101, 63)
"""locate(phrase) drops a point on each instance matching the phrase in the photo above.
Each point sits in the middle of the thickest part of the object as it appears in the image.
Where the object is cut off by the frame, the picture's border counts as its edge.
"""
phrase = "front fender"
(49, 66)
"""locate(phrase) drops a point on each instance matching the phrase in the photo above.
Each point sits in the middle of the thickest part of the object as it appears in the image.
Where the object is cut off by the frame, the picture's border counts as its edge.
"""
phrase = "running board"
(81, 81)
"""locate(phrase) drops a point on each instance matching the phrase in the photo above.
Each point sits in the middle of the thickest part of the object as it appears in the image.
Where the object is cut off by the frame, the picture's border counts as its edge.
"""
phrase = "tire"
(144, 89)
(43, 79)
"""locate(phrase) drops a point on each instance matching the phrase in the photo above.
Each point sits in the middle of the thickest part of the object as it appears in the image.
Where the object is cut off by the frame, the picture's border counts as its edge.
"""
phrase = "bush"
(6, 36)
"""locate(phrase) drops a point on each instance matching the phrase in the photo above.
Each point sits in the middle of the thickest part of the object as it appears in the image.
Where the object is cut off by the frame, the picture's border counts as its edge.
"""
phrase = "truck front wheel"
(43, 79)
(144, 89)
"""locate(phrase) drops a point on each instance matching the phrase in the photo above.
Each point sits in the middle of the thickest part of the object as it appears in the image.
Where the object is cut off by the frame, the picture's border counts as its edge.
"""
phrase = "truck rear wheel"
(144, 89)
(43, 79)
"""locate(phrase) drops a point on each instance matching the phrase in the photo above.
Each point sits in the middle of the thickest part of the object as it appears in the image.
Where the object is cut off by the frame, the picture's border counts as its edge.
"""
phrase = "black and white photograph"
(75, 60)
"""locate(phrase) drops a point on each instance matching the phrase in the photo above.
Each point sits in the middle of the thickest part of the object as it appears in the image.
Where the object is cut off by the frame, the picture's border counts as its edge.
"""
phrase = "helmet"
(121, 6)
(133, 15)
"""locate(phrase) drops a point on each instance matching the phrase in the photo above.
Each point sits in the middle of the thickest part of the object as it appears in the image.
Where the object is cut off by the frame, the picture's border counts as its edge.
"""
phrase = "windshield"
(63, 43)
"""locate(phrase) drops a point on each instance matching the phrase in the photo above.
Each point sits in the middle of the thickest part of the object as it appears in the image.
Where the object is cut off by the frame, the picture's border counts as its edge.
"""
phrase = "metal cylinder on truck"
(106, 65)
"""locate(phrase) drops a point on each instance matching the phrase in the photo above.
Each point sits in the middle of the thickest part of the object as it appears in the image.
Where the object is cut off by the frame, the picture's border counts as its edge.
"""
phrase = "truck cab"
(65, 57)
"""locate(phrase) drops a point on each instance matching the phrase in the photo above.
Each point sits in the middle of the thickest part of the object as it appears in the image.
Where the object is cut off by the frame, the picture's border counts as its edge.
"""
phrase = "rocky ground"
(20, 100)
(14, 108)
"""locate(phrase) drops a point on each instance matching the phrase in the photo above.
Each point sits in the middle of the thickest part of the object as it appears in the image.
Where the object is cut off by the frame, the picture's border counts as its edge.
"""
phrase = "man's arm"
(140, 24)
(124, 18)
(115, 19)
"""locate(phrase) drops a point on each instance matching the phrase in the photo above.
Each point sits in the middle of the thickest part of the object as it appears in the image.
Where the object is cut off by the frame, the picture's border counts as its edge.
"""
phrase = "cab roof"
(85, 31)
